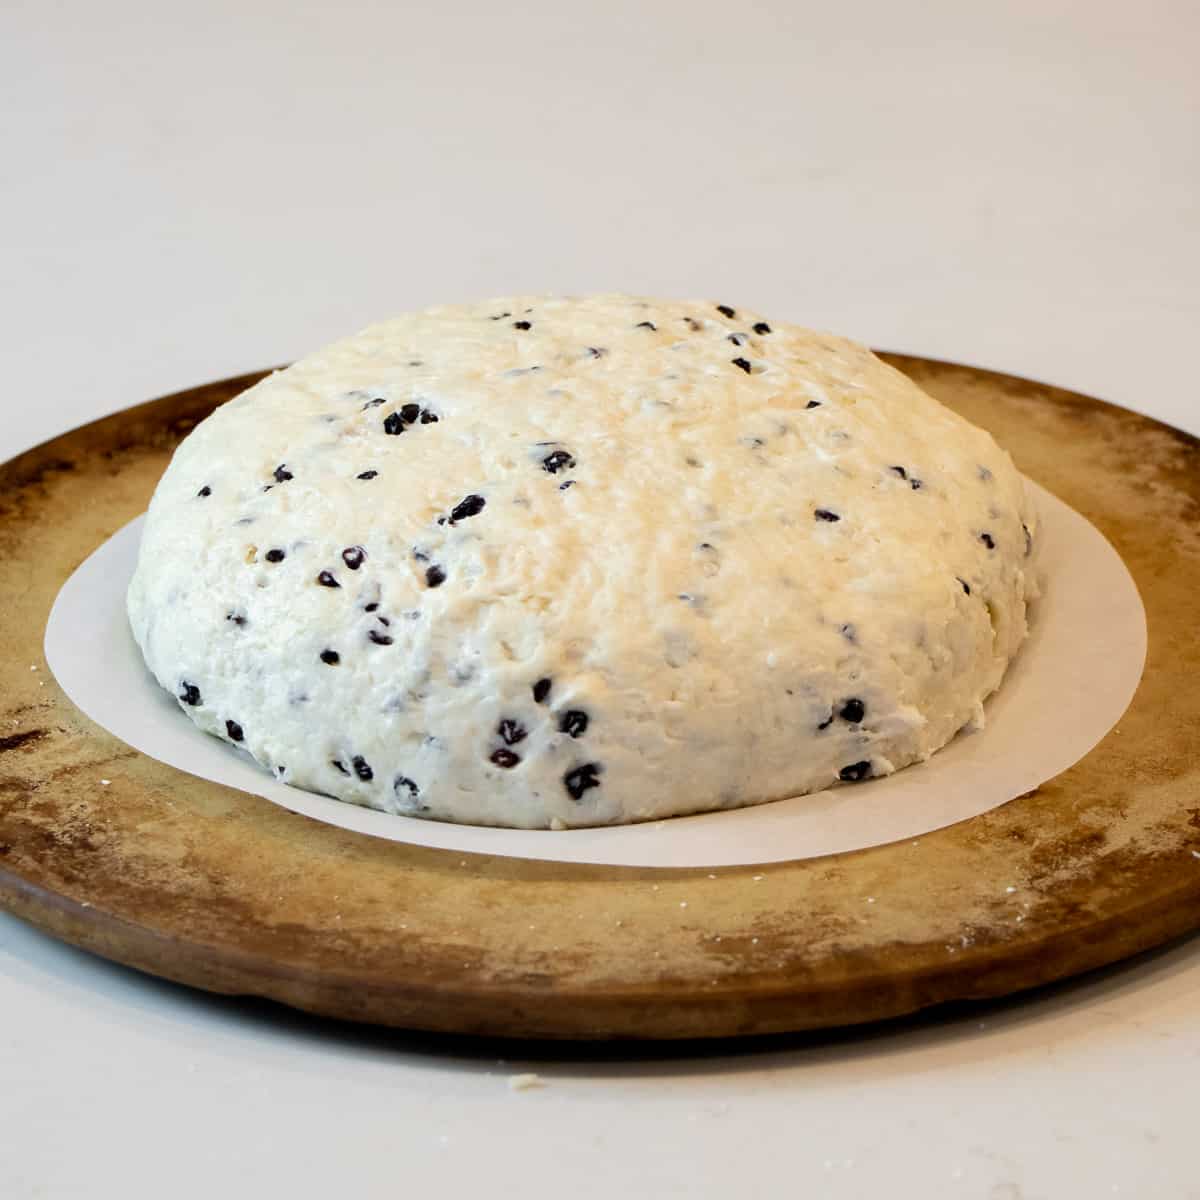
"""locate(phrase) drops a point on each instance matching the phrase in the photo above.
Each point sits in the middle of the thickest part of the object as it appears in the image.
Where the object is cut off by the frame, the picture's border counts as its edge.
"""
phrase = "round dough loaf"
(566, 562)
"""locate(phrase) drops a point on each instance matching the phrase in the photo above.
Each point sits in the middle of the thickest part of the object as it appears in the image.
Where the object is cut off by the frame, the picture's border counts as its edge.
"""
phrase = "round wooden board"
(225, 891)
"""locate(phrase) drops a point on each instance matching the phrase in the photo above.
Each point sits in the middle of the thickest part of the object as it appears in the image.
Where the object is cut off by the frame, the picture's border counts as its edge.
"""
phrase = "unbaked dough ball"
(564, 562)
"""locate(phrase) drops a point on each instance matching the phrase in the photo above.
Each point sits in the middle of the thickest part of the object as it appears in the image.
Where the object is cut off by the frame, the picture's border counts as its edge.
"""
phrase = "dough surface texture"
(548, 562)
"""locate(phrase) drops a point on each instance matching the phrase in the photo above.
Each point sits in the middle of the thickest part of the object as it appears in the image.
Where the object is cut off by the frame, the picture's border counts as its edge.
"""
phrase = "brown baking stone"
(226, 891)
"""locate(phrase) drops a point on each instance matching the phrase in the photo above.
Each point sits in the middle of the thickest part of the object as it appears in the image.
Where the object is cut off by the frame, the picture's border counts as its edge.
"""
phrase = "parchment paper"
(1069, 686)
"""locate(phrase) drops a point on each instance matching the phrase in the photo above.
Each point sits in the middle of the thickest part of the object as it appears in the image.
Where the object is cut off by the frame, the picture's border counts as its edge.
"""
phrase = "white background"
(190, 191)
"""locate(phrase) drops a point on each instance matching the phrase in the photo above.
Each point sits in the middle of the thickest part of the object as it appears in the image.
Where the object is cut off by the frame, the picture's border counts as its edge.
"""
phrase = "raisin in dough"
(564, 562)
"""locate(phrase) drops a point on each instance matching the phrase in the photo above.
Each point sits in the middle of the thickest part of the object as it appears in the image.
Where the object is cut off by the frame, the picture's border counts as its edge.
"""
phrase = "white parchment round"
(1068, 687)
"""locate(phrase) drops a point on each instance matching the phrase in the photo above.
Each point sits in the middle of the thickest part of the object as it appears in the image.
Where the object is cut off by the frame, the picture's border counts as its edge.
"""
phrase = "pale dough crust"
(749, 559)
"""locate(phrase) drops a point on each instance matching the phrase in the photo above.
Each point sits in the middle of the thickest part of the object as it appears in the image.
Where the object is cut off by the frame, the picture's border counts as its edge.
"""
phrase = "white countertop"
(186, 195)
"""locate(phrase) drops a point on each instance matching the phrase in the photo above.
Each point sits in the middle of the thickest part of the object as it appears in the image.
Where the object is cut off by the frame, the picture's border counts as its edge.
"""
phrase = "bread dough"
(563, 562)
